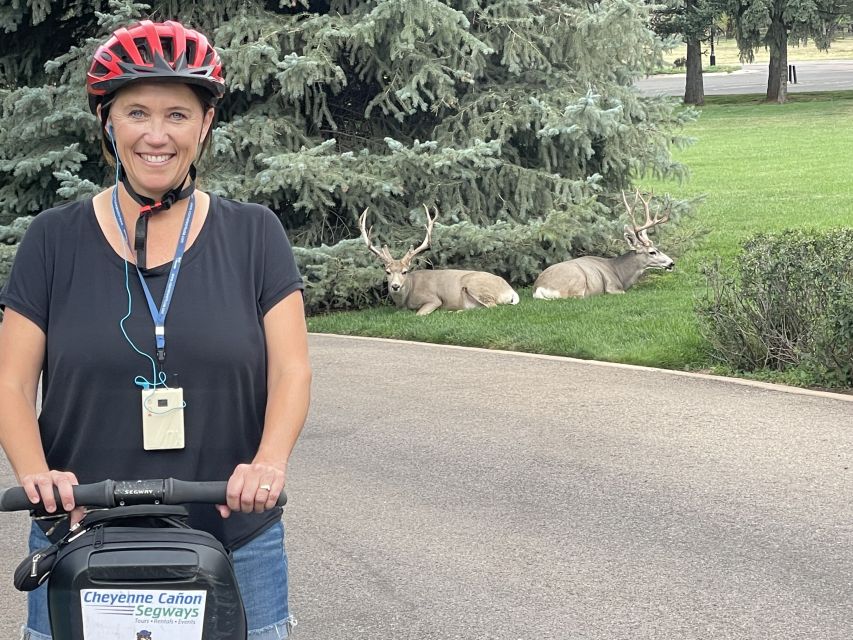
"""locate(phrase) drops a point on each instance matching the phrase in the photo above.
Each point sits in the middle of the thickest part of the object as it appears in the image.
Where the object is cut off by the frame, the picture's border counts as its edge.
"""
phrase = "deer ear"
(631, 237)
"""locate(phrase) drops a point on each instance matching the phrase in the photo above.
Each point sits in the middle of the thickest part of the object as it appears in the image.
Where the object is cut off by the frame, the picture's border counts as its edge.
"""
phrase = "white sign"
(142, 614)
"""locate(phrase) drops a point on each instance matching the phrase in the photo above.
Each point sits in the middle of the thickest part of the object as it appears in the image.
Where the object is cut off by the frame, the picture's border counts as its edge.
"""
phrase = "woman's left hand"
(253, 488)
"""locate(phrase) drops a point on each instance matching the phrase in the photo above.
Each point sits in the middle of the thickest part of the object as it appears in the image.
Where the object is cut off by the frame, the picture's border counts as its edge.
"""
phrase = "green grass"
(577, 328)
(760, 167)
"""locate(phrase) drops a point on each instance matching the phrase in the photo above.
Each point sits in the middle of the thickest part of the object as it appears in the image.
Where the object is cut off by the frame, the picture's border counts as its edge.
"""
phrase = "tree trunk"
(777, 41)
(694, 90)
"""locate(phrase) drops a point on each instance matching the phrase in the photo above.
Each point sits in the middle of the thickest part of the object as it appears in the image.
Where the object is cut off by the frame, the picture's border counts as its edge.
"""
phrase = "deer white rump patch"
(544, 293)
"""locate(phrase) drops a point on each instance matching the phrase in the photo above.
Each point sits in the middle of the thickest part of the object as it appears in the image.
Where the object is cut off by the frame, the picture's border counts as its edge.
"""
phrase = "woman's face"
(158, 127)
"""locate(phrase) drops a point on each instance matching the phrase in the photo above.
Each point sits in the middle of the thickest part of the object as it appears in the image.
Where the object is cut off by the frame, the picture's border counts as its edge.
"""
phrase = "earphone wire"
(140, 381)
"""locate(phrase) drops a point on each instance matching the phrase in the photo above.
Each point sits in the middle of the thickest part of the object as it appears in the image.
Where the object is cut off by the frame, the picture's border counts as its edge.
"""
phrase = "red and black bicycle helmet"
(162, 51)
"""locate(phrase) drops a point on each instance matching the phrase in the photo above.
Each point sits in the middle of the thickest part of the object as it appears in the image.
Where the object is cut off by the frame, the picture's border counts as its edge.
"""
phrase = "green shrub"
(787, 306)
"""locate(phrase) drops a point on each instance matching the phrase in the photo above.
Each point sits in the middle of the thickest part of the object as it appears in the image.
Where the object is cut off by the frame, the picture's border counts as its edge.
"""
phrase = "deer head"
(637, 238)
(397, 271)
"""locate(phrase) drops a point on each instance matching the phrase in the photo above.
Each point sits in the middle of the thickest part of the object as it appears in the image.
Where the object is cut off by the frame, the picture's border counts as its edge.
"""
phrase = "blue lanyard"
(159, 315)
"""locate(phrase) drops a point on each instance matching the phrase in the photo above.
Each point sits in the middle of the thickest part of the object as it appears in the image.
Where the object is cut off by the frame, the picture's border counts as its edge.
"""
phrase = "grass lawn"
(760, 167)
(726, 52)
(680, 71)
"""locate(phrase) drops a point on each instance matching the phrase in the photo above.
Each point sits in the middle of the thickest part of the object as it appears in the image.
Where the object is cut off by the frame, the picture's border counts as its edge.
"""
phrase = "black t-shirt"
(69, 281)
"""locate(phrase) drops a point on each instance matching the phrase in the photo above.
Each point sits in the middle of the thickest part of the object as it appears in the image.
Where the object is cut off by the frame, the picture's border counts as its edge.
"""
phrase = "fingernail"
(68, 506)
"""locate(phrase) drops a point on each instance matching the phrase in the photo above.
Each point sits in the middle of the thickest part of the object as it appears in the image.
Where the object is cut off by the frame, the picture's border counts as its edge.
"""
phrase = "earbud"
(110, 131)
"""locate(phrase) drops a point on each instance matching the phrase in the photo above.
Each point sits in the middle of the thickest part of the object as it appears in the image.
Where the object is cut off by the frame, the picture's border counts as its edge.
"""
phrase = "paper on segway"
(119, 614)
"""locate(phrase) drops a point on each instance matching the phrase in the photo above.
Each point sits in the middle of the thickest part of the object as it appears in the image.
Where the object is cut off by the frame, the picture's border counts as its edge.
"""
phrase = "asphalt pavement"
(451, 493)
(829, 75)
(442, 492)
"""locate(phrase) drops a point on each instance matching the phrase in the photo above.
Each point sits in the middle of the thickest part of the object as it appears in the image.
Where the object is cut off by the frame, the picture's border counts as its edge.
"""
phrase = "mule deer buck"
(428, 290)
(592, 275)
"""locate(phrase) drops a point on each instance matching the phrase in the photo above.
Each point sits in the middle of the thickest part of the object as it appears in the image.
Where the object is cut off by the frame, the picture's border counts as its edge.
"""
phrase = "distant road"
(830, 75)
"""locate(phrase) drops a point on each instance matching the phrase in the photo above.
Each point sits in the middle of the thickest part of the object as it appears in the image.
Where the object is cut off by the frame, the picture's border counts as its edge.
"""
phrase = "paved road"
(449, 493)
(446, 493)
(832, 75)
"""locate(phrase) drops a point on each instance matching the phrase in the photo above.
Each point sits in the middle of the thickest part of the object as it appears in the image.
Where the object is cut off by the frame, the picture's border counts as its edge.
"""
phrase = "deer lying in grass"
(592, 275)
(428, 290)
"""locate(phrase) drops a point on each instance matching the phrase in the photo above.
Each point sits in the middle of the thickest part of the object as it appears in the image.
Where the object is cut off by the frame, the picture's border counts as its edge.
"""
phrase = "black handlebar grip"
(182, 491)
(98, 494)
(14, 499)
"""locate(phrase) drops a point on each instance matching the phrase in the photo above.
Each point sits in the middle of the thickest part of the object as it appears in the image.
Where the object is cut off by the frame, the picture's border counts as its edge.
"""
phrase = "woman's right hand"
(39, 488)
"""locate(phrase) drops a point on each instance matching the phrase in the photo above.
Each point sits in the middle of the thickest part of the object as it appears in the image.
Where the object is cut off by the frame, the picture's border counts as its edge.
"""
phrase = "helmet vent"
(144, 52)
(191, 49)
(98, 70)
(121, 53)
(168, 45)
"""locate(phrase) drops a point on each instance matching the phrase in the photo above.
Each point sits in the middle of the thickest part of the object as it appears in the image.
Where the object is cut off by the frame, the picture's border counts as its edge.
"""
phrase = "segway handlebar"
(111, 493)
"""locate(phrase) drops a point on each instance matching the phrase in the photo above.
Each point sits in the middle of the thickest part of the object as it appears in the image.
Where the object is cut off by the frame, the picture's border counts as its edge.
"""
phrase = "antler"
(649, 223)
(411, 253)
(383, 253)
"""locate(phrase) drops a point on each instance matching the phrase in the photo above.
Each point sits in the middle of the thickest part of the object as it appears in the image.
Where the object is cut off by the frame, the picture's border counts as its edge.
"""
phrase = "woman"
(156, 292)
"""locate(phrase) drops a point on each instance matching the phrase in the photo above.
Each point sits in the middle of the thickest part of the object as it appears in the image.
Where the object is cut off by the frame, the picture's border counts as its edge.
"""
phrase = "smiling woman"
(231, 363)
(157, 131)
(149, 72)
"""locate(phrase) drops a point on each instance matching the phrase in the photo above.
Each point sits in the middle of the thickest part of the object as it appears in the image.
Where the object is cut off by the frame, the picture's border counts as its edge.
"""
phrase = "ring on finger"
(265, 487)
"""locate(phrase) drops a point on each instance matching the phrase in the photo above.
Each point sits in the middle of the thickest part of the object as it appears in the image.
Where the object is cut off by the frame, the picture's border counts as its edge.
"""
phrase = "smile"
(155, 159)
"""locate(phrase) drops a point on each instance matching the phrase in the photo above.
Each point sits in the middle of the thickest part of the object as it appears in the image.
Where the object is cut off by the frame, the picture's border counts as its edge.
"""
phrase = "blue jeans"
(261, 569)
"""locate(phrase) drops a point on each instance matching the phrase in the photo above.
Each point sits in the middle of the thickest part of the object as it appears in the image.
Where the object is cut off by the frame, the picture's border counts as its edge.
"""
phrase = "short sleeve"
(28, 289)
(281, 276)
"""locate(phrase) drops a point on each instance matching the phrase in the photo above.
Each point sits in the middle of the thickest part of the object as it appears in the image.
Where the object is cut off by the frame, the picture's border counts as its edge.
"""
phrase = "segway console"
(134, 568)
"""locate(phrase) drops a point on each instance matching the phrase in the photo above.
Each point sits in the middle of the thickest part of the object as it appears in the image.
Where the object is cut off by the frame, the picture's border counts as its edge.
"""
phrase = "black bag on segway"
(141, 572)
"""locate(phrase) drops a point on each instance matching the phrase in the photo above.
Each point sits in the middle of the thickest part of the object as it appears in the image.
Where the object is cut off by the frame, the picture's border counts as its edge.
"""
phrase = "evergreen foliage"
(515, 118)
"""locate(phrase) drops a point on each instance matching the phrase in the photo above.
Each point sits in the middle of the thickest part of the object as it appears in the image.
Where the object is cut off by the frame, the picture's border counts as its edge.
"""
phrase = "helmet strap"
(149, 206)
